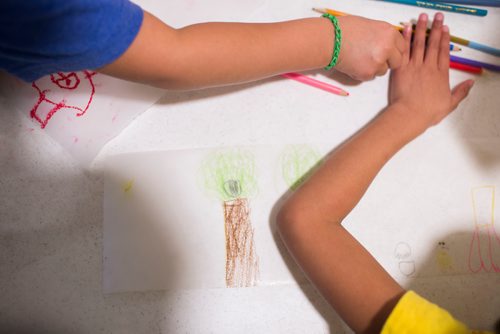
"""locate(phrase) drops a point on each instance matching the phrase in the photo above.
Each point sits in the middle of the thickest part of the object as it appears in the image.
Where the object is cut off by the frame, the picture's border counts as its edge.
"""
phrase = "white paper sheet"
(164, 224)
(421, 214)
(81, 111)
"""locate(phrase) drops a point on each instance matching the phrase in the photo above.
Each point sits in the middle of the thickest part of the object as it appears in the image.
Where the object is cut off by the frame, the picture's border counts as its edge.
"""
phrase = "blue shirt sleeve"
(40, 37)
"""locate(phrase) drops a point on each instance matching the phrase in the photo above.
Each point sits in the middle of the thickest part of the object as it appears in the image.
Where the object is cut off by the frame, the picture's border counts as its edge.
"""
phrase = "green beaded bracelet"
(338, 40)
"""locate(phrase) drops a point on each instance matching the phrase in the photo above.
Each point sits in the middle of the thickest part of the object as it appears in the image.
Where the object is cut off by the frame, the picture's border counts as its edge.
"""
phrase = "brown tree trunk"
(242, 265)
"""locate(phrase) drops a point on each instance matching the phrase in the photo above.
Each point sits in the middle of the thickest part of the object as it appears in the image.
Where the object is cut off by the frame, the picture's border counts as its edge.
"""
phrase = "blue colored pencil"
(474, 45)
(491, 67)
(488, 3)
(442, 6)
(484, 48)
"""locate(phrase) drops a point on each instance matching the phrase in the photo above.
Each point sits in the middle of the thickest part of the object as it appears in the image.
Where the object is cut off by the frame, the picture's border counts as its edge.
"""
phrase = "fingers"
(444, 49)
(417, 54)
(433, 44)
(460, 92)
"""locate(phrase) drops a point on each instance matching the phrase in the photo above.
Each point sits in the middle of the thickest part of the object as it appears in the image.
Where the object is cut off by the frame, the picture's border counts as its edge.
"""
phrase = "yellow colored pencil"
(454, 39)
(330, 11)
(337, 13)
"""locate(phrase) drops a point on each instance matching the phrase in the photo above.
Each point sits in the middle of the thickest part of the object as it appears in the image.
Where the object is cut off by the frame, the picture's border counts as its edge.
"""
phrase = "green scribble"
(297, 163)
(230, 174)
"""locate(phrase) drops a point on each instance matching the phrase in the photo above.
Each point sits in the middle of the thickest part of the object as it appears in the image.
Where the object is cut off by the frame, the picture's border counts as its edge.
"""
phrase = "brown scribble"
(242, 267)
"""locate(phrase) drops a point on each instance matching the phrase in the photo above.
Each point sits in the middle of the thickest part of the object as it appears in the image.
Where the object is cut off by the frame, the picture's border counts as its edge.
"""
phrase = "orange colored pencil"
(337, 13)
(330, 11)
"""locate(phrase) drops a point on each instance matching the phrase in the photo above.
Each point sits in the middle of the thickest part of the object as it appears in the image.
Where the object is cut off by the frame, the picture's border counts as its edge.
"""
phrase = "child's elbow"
(296, 218)
(290, 221)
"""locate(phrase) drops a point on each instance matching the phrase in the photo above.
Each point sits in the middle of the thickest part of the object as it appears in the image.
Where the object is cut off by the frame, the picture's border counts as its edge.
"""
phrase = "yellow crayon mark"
(127, 187)
(444, 260)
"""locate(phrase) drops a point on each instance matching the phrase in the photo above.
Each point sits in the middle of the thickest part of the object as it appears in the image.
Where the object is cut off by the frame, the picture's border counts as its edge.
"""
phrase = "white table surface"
(51, 210)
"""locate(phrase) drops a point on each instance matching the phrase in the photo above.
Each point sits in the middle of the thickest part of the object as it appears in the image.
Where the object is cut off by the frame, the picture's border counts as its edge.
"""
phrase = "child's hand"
(369, 48)
(421, 85)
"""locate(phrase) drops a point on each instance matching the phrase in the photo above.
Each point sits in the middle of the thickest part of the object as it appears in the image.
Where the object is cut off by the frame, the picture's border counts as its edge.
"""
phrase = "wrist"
(405, 125)
(337, 42)
(328, 41)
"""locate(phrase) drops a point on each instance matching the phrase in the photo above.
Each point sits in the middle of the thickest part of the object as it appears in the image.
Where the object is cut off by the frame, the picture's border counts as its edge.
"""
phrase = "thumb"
(460, 92)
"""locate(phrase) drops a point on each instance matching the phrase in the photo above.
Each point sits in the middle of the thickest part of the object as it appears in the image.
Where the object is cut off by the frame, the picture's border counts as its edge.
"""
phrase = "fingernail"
(439, 17)
(446, 28)
(471, 83)
(423, 17)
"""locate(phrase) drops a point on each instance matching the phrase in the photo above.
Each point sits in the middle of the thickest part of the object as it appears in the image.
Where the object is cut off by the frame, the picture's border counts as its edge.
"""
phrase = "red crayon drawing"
(484, 252)
(49, 94)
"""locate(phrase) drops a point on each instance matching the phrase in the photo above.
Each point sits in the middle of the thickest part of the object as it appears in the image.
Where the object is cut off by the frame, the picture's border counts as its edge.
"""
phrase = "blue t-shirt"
(40, 37)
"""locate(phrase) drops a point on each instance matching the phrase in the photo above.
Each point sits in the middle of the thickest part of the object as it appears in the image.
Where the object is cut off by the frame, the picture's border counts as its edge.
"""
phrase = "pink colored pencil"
(316, 83)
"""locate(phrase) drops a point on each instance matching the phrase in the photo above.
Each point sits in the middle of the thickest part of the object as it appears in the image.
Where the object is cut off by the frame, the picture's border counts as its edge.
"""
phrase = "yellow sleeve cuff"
(414, 314)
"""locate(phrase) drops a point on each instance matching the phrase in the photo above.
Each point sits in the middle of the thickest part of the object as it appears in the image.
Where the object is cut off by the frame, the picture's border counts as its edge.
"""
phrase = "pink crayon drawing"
(49, 94)
(484, 252)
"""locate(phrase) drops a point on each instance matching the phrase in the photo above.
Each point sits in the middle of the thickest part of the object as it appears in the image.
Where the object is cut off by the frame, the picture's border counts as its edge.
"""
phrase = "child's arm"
(351, 280)
(212, 54)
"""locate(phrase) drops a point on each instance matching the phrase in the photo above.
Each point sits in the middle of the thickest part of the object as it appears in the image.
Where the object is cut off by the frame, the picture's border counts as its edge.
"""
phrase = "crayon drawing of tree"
(297, 163)
(230, 176)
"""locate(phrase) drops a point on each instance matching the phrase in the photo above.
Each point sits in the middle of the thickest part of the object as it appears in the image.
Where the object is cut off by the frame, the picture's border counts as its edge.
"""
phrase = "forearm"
(234, 52)
(338, 185)
(211, 54)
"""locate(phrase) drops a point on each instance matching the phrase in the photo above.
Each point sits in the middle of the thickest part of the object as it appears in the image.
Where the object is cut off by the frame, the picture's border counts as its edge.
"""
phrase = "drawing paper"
(164, 225)
(81, 111)
(167, 230)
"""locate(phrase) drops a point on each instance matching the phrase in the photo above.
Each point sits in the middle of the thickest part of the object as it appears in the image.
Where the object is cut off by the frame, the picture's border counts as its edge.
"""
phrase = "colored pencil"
(465, 61)
(471, 44)
(330, 11)
(337, 13)
(466, 68)
(453, 64)
(315, 83)
(442, 6)
(487, 3)
(454, 39)
(482, 47)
